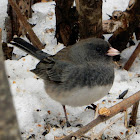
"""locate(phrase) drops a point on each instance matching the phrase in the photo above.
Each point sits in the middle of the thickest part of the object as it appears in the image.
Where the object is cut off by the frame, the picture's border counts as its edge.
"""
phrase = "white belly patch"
(83, 96)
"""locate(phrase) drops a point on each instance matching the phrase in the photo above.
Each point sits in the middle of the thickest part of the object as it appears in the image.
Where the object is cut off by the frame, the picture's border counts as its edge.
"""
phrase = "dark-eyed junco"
(77, 75)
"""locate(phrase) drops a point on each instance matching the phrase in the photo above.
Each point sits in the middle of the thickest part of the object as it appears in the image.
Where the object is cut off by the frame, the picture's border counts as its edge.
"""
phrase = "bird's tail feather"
(29, 48)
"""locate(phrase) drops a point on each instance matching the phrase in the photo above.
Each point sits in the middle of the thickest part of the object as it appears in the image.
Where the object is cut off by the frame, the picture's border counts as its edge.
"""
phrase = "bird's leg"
(67, 122)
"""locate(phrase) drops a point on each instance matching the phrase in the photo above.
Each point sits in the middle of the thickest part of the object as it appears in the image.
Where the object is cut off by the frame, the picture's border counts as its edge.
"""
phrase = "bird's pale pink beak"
(113, 52)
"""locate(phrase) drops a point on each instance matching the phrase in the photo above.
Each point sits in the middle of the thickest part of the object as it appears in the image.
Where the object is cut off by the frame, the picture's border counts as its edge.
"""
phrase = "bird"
(77, 75)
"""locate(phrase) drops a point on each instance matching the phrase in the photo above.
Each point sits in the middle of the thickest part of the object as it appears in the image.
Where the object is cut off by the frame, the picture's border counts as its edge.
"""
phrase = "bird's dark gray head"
(90, 49)
(98, 45)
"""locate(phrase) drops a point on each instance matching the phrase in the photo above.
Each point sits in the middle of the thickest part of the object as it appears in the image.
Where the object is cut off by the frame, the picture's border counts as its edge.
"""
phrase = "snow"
(36, 111)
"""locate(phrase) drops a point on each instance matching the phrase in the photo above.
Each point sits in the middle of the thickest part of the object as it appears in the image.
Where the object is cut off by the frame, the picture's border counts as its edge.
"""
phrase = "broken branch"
(130, 19)
(132, 58)
(134, 114)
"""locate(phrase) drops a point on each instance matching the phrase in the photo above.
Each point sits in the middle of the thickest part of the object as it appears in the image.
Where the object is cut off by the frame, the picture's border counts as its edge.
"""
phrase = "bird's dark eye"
(98, 49)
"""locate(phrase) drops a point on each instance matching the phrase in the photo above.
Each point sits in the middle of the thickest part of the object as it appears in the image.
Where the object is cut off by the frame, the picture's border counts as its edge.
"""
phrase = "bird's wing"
(55, 73)
(51, 71)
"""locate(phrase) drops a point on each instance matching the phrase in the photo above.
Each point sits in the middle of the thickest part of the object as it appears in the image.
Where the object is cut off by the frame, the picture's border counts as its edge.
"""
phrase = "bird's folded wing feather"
(52, 71)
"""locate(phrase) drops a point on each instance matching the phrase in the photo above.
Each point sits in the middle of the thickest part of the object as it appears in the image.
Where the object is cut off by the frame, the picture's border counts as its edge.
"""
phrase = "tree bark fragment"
(90, 18)
(66, 22)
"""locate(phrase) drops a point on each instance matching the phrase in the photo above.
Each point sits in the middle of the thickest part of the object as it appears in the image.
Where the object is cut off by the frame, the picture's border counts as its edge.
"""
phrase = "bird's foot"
(93, 107)
(68, 124)
(64, 123)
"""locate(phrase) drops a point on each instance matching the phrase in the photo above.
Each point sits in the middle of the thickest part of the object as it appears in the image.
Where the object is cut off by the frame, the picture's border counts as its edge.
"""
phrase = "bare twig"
(34, 39)
(95, 116)
(96, 111)
(113, 111)
(134, 114)
(102, 131)
(132, 58)
(126, 118)
(127, 67)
